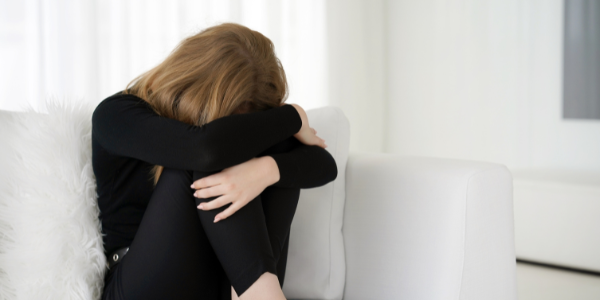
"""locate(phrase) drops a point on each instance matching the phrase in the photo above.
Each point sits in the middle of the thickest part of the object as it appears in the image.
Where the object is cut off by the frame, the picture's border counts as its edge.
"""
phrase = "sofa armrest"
(426, 228)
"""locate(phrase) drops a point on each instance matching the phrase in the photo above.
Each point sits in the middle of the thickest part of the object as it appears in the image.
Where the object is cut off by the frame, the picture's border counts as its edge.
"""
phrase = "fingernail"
(200, 206)
(196, 194)
(192, 186)
(217, 219)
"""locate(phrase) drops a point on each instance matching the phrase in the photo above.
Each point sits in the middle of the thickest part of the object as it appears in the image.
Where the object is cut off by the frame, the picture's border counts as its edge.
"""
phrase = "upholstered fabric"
(427, 228)
(316, 262)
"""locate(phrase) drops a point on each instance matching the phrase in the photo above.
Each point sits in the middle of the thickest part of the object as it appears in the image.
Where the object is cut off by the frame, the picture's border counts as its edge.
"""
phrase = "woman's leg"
(241, 242)
(170, 256)
(279, 207)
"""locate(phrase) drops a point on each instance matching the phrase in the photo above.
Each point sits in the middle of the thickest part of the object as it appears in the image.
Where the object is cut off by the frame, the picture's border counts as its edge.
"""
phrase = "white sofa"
(426, 228)
(401, 227)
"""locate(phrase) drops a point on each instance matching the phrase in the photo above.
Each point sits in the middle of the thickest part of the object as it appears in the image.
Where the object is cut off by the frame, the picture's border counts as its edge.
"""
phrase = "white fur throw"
(50, 242)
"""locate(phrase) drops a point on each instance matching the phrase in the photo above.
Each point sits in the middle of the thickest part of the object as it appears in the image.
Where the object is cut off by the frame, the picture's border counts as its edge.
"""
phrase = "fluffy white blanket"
(50, 241)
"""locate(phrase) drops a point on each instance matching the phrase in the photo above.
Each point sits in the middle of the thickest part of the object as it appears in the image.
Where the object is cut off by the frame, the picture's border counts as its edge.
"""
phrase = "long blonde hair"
(212, 74)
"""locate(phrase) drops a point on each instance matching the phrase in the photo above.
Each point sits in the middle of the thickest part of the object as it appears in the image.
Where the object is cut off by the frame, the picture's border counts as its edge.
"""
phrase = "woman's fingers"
(207, 181)
(308, 136)
(320, 142)
(212, 191)
(223, 200)
(218, 203)
(237, 185)
(227, 212)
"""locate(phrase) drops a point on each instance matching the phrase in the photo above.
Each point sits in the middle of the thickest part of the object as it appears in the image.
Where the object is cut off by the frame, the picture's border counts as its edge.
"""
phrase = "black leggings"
(179, 253)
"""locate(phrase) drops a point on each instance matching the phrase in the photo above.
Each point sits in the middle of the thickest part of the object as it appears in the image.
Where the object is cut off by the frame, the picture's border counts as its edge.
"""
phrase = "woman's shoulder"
(121, 96)
(118, 101)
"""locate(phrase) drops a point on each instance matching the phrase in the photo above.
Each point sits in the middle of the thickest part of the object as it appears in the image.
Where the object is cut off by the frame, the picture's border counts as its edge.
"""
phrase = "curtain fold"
(88, 50)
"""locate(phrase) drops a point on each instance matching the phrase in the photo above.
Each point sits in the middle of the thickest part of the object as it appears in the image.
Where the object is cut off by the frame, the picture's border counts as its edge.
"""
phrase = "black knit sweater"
(128, 138)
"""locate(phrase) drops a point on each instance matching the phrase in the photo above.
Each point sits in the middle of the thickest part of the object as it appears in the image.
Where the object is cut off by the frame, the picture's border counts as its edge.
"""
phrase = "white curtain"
(88, 50)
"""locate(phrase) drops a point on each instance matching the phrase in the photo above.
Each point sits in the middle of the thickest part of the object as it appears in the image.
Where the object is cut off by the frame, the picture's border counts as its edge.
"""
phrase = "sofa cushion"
(316, 263)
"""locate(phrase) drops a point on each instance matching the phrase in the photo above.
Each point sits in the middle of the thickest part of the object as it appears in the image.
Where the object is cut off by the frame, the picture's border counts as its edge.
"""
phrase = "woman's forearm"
(127, 126)
(305, 167)
(302, 167)
(299, 165)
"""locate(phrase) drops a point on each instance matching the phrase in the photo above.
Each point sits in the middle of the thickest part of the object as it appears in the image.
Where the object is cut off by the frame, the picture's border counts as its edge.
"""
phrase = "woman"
(199, 164)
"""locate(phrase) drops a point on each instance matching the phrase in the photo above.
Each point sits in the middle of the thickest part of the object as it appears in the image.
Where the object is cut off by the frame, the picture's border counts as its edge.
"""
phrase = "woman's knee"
(173, 184)
(175, 178)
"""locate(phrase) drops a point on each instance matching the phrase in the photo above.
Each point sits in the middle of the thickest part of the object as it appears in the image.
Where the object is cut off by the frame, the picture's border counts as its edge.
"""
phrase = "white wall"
(481, 80)
(356, 60)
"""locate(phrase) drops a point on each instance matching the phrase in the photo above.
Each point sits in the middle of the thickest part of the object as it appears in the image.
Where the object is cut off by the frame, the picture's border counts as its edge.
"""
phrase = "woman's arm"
(288, 164)
(127, 125)
(302, 166)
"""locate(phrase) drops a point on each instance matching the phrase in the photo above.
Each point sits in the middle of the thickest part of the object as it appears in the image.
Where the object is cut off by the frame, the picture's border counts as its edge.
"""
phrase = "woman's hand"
(307, 135)
(237, 185)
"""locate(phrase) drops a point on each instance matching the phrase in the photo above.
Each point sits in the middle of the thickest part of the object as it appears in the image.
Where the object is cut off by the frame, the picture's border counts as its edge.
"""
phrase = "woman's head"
(222, 70)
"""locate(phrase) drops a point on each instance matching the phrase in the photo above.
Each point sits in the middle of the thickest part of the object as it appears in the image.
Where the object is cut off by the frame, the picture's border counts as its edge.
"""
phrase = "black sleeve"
(302, 166)
(126, 125)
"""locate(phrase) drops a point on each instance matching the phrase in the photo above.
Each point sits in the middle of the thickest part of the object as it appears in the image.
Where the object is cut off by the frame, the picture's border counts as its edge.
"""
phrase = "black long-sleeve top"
(129, 138)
